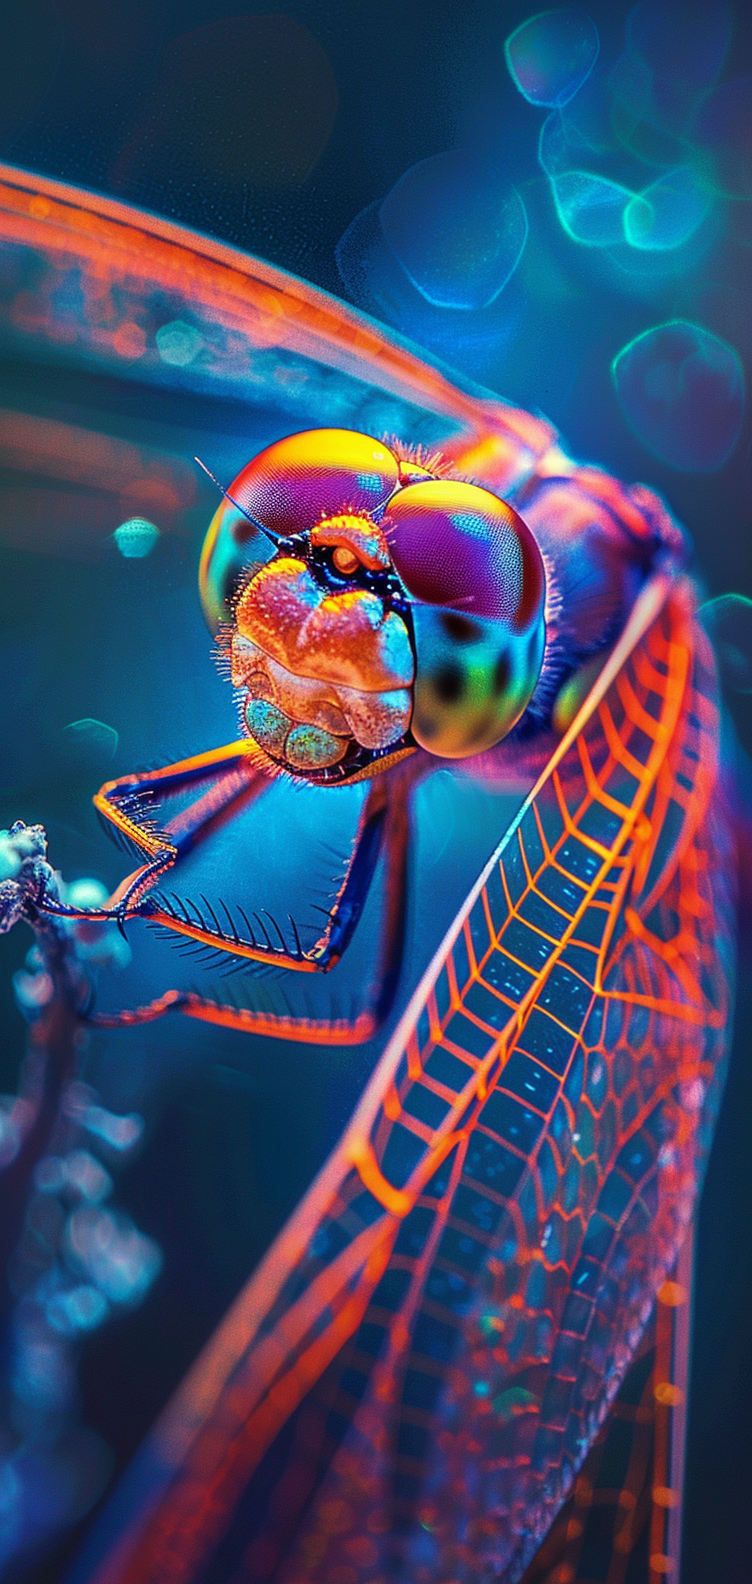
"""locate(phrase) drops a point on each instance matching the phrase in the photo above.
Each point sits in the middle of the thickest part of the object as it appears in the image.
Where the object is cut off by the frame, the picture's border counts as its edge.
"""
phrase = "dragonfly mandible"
(410, 1383)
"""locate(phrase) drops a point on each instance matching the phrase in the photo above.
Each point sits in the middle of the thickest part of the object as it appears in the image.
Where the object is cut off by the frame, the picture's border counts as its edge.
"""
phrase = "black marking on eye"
(501, 675)
(449, 683)
(460, 628)
(477, 732)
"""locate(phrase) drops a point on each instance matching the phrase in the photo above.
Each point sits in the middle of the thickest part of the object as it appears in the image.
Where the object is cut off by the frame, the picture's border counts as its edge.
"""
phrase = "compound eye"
(476, 578)
(474, 679)
(318, 474)
(458, 546)
(345, 560)
(232, 550)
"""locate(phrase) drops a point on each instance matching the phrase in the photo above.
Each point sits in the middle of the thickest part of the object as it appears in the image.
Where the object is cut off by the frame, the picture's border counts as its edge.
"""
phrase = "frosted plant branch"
(72, 1260)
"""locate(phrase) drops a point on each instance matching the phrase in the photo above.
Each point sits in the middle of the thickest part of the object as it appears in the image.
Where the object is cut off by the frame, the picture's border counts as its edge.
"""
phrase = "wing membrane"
(409, 1384)
(627, 1496)
(92, 281)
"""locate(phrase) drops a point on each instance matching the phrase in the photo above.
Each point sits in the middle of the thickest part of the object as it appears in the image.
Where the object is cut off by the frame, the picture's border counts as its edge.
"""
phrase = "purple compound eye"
(475, 575)
(295, 482)
(289, 488)
(460, 547)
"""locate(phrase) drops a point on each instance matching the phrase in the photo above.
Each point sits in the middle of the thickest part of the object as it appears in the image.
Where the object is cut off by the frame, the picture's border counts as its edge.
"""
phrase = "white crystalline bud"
(18, 844)
(12, 899)
(24, 871)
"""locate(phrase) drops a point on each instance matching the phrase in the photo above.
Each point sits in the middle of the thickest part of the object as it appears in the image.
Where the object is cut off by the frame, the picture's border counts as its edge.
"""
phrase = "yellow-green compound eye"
(474, 679)
(232, 548)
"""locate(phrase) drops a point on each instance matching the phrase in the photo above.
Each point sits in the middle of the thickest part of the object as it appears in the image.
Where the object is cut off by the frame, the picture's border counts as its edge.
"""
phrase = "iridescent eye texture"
(474, 679)
(300, 480)
(232, 546)
(457, 545)
(470, 565)
(475, 575)
(289, 488)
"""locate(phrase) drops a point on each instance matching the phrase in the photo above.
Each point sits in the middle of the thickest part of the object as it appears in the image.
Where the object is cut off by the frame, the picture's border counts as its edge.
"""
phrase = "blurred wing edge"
(105, 275)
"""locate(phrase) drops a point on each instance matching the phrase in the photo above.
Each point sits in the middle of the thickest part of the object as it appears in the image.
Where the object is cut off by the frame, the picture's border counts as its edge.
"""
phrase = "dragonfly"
(417, 1381)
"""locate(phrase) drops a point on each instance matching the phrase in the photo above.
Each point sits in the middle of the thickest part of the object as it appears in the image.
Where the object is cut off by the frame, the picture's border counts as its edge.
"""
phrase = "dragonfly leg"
(383, 828)
(385, 825)
(131, 803)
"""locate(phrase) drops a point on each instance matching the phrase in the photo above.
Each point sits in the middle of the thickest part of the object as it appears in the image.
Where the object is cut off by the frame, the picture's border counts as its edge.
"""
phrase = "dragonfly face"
(401, 608)
(324, 657)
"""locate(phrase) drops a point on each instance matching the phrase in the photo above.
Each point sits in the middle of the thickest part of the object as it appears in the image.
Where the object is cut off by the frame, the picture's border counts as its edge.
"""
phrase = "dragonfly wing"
(530, 1260)
(411, 1381)
(94, 283)
(629, 1489)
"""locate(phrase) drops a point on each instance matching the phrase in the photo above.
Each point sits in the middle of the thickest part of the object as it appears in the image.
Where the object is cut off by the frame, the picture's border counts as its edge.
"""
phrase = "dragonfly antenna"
(272, 537)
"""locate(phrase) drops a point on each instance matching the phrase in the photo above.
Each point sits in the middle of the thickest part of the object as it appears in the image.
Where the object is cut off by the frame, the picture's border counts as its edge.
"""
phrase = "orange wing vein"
(95, 279)
(409, 1384)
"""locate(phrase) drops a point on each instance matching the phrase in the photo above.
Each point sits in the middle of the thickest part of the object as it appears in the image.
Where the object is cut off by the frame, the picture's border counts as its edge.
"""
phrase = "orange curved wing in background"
(94, 279)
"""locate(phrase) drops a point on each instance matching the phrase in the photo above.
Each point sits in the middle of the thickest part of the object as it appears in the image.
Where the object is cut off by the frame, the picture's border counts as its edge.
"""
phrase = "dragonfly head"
(384, 608)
